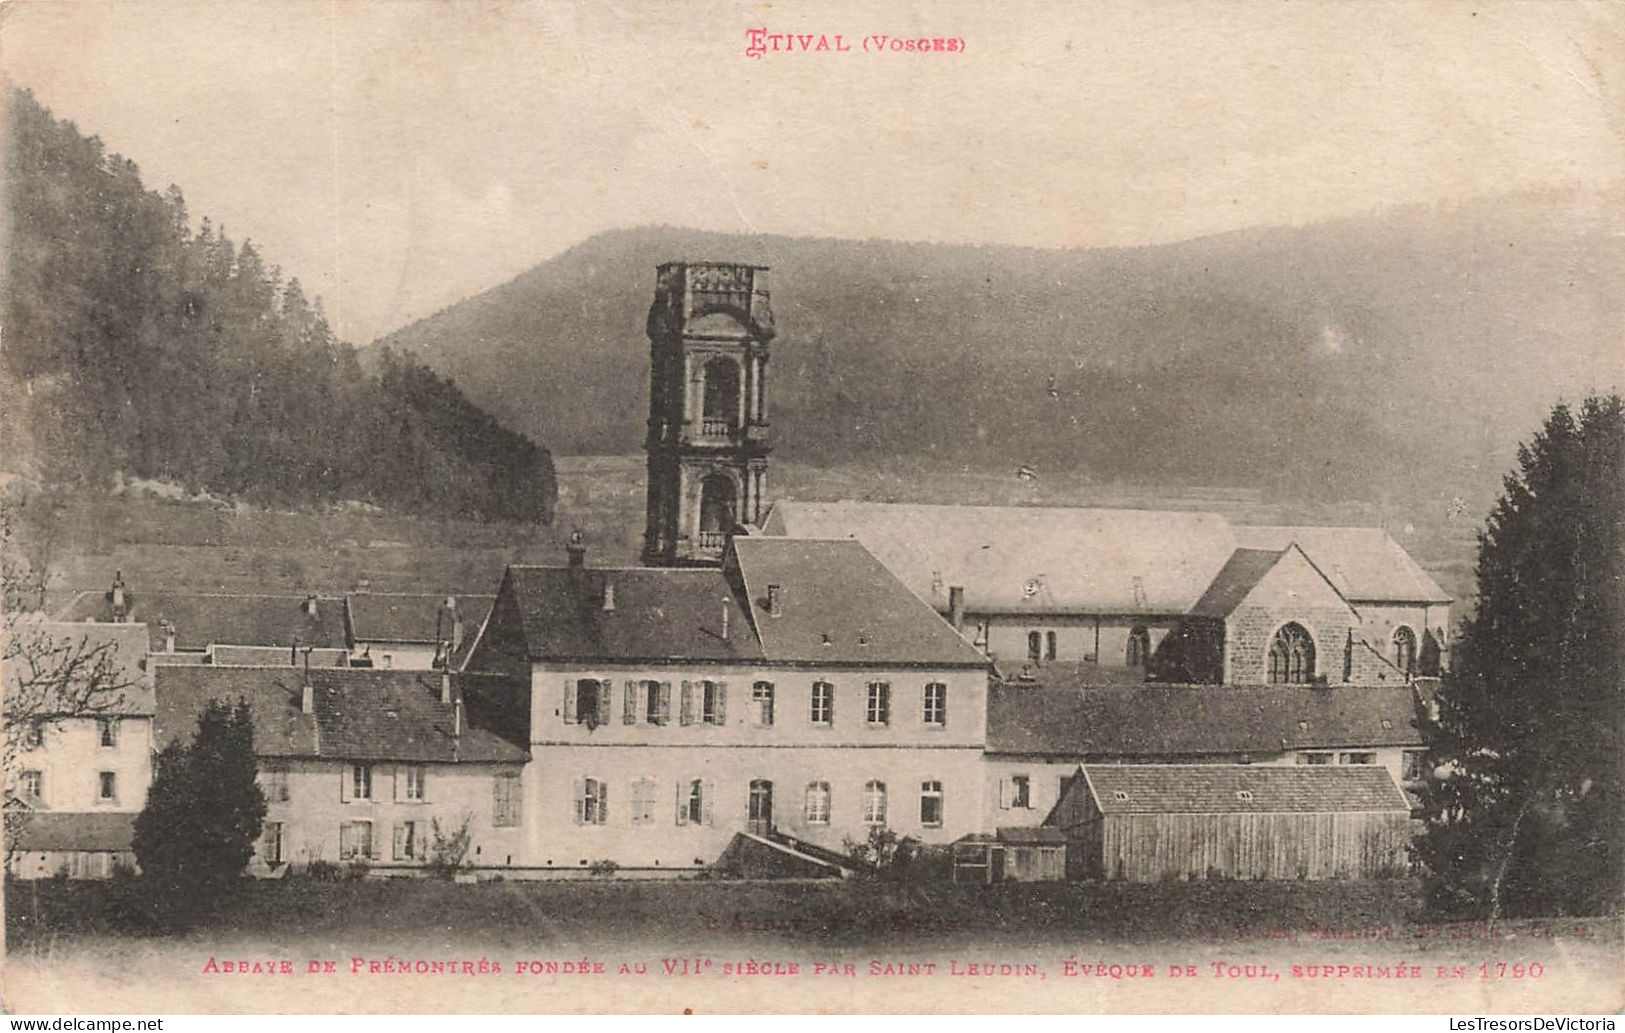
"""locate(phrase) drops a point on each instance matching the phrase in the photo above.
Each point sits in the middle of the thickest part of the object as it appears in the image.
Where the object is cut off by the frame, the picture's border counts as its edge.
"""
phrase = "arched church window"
(1405, 649)
(1035, 646)
(1292, 656)
(1139, 646)
(721, 397)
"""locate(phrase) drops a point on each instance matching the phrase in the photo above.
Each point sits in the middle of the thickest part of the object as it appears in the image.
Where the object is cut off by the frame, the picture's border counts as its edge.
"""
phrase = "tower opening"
(718, 510)
(721, 412)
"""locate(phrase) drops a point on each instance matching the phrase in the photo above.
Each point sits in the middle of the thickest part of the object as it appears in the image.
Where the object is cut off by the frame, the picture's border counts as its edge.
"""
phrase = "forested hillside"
(134, 344)
(1394, 356)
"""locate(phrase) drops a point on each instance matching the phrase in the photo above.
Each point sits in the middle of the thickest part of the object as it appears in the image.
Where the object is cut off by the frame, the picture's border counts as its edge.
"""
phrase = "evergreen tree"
(204, 811)
(1524, 812)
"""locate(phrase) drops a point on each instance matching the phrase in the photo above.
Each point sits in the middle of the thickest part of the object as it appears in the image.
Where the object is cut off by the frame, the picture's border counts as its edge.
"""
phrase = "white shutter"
(400, 782)
(686, 711)
(630, 716)
(682, 802)
(707, 791)
(569, 710)
(603, 800)
(1004, 794)
(722, 703)
(346, 773)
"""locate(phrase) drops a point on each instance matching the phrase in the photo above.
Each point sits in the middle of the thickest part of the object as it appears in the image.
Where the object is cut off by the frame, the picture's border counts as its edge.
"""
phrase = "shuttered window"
(505, 800)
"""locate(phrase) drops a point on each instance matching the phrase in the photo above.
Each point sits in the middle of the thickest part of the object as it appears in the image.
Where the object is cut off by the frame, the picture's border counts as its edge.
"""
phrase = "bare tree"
(51, 675)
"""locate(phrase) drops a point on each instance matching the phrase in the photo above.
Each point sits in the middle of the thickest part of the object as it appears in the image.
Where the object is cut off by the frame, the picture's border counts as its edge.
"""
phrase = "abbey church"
(779, 678)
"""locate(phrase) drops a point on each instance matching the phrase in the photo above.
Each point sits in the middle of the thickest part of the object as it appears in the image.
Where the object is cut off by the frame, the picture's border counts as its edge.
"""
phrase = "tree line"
(141, 346)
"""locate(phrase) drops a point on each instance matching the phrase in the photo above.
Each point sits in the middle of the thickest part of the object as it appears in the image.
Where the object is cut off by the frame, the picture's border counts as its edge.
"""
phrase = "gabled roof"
(415, 618)
(1021, 559)
(101, 831)
(1364, 564)
(204, 619)
(838, 605)
(360, 714)
(1242, 789)
(1238, 577)
(1194, 720)
(115, 655)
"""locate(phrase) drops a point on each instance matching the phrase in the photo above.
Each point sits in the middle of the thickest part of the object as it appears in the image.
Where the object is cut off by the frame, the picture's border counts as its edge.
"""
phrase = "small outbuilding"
(1152, 822)
(1014, 854)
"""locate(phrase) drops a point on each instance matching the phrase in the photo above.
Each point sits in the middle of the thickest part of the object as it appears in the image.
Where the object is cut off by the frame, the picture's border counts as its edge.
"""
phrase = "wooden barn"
(1151, 822)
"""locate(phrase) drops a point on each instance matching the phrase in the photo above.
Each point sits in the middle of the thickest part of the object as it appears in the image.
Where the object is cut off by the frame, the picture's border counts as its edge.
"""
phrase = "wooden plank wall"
(1154, 847)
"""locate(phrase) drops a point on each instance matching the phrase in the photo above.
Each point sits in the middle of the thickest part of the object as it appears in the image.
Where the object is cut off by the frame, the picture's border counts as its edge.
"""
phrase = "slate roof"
(360, 714)
(1020, 559)
(1239, 576)
(1194, 720)
(1364, 564)
(400, 617)
(1243, 789)
(204, 619)
(660, 613)
(1053, 559)
(94, 831)
(839, 605)
(56, 643)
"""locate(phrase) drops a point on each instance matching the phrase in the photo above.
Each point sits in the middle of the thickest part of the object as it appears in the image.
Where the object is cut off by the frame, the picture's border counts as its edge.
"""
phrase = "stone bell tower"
(709, 330)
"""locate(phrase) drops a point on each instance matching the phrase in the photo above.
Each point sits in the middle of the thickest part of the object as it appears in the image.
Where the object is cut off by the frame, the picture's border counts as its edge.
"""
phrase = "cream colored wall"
(71, 759)
(1075, 635)
(315, 809)
(966, 724)
(401, 656)
(560, 842)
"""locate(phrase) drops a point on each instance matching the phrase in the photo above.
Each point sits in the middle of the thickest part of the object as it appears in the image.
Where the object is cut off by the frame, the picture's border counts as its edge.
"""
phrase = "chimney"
(457, 718)
(609, 595)
(310, 605)
(577, 550)
(956, 606)
(307, 698)
(775, 600)
(456, 624)
(169, 637)
(118, 598)
(725, 621)
(445, 685)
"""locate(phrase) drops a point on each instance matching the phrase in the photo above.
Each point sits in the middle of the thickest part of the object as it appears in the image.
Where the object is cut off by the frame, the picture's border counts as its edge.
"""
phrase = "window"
(592, 802)
(36, 733)
(106, 787)
(361, 781)
(1016, 792)
(355, 841)
(643, 801)
(818, 803)
(505, 800)
(1413, 766)
(1428, 659)
(588, 703)
(931, 803)
(761, 699)
(33, 784)
(274, 782)
(409, 844)
(691, 809)
(1049, 645)
(1139, 646)
(878, 711)
(1244, 794)
(714, 703)
(823, 703)
(1357, 758)
(1314, 758)
(656, 703)
(271, 843)
(1119, 795)
(1405, 649)
(107, 729)
(874, 803)
(1035, 646)
(412, 783)
(936, 704)
(1292, 656)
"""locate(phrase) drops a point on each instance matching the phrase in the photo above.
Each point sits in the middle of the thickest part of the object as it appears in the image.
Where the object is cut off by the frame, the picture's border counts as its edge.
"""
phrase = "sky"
(399, 157)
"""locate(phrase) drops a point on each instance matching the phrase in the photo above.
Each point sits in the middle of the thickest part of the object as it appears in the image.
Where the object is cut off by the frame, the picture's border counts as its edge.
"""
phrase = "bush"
(356, 870)
(448, 851)
(323, 871)
(604, 867)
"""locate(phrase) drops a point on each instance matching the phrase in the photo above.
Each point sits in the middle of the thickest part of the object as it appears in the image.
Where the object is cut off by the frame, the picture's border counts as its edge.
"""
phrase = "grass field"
(209, 547)
(857, 945)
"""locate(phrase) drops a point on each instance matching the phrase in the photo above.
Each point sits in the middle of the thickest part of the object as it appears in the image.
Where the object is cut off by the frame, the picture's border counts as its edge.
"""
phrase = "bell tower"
(709, 329)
